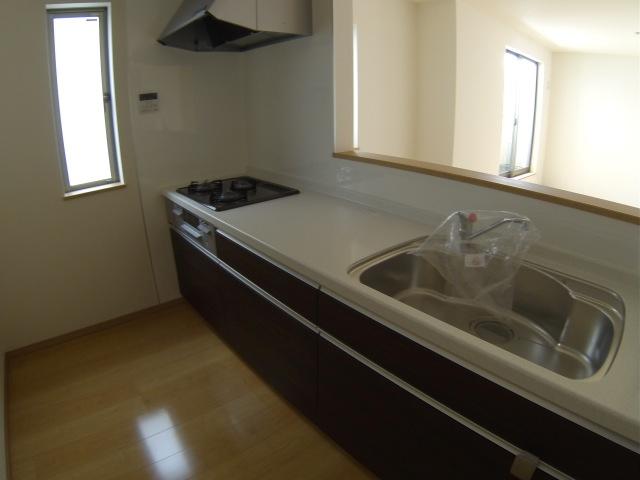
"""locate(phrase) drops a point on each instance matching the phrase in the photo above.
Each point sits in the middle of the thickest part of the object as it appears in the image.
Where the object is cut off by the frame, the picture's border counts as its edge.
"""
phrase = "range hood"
(236, 25)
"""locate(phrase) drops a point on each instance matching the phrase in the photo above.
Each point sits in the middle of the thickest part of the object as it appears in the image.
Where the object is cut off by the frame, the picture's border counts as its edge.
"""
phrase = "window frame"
(102, 11)
(512, 173)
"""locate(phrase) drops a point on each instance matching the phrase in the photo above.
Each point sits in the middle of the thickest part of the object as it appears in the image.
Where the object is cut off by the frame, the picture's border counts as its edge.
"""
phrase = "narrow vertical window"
(356, 91)
(519, 114)
(83, 97)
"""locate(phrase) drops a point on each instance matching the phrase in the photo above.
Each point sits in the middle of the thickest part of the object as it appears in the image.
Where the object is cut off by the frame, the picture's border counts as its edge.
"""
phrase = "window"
(83, 97)
(356, 90)
(519, 113)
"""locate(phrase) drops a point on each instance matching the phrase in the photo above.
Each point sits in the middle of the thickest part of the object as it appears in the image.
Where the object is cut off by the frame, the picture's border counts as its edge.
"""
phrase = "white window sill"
(88, 191)
(523, 176)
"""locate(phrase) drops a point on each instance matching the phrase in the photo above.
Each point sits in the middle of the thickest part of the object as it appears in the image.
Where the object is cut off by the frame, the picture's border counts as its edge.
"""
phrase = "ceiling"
(594, 26)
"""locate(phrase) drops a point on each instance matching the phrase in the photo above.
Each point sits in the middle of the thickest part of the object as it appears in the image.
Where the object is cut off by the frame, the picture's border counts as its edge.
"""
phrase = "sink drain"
(493, 331)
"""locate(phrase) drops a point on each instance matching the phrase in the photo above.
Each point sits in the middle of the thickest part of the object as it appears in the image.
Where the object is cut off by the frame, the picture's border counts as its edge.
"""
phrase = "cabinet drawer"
(394, 433)
(557, 441)
(278, 347)
(200, 279)
(293, 292)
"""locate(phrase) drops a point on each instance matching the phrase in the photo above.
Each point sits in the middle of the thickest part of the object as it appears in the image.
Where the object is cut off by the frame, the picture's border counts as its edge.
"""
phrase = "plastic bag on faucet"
(479, 253)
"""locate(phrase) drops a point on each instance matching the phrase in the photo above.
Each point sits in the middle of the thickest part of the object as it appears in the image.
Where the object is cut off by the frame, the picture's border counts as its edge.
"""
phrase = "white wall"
(199, 131)
(481, 42)
(593, 143)
(66, 264)
(388, 72)
(431, 82)
(406, 88)
(293, 82)
(437, 80)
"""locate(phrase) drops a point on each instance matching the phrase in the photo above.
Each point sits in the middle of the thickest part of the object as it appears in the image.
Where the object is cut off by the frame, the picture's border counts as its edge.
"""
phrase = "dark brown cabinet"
(296, 294)
(395, 434)
(557, 441)
(201, 280)
(390, 430)
(279, 348)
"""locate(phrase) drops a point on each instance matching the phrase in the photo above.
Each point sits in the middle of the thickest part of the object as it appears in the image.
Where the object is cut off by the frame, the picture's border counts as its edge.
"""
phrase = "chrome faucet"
(466, 225)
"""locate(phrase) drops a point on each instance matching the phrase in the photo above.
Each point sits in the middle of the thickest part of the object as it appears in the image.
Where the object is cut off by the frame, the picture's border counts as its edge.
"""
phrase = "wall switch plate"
(148, 102)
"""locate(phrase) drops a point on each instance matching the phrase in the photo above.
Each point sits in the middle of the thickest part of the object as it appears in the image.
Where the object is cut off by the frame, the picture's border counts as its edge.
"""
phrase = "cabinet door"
(200, 279)
(558, 441)
(278, 347)
(394, 433)
(293, 292)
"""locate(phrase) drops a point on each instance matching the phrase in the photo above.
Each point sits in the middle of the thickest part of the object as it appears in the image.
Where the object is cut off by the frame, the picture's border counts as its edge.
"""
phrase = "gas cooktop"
(235, 192)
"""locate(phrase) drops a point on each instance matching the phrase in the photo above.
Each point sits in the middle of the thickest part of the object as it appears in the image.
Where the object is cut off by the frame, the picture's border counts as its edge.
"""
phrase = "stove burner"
(227, 197)
(243, 184)
(217, 186)
(228, 193)
(205, 187)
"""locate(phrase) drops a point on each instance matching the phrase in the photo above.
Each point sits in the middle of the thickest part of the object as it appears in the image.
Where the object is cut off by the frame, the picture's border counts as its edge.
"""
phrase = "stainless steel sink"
(561, 323)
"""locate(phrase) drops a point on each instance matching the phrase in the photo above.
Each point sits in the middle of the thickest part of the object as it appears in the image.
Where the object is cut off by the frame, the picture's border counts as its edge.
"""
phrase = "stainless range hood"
(236, 25)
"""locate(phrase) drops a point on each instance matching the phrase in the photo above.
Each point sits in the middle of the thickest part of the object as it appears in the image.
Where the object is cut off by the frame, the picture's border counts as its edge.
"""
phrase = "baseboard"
(65, 337)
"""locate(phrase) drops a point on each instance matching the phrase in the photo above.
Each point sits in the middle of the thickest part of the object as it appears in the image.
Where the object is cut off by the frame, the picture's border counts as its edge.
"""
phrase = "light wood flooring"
(158, 397)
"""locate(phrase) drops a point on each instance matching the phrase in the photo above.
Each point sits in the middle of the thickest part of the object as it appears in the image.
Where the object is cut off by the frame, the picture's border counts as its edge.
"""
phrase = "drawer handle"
(193, 232)
(524, 466)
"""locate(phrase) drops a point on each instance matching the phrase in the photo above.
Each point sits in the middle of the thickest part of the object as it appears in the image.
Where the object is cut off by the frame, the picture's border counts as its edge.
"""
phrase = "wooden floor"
(157, 397)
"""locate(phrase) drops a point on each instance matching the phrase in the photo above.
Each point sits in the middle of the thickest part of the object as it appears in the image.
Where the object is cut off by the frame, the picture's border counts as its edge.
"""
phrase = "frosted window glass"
(527, 73)
(509, 111)
(79, 80)
(519, 113)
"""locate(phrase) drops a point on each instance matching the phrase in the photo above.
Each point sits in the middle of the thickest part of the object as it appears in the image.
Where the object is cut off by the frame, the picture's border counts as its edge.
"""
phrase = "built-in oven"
(195, 228)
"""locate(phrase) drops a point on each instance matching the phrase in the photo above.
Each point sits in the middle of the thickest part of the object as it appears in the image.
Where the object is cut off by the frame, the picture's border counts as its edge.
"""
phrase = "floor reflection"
(164, 447)
(176, 467)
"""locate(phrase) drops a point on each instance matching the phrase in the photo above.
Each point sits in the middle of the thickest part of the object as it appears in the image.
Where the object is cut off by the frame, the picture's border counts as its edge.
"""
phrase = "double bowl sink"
(564, 324)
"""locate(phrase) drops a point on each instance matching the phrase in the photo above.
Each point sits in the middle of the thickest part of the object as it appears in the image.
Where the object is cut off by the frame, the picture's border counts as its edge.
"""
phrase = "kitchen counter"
(320, 237)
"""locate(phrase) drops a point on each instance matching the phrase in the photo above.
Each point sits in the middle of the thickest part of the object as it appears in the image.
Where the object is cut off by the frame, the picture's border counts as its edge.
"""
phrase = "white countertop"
(320, 237)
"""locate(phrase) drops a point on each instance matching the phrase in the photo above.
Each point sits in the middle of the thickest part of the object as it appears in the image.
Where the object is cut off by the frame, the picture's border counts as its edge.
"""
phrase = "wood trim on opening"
(618, 211)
